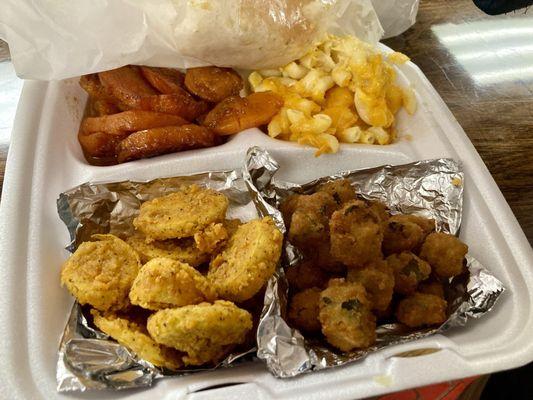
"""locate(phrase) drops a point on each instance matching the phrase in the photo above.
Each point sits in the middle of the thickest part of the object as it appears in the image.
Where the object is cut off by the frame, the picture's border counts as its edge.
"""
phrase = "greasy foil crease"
(88, 358)
(433, 189)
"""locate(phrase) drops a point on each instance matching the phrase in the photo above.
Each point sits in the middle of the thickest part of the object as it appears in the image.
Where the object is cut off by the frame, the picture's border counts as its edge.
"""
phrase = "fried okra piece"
(356, 234)
(378, 280)
(288, 207)
(205, 332)
(181, 214)
(409, 271)
(341, 190)
(165, 283)
(445, 253)
(381, 210)
(135, 337)
(345, 315)
(401, 235)
(310, 221)
(248, 260)
(432, 287)
(303, 310)
(420, 309)
(184, 250)
(306, 275)
(101, 273)
(427, 225)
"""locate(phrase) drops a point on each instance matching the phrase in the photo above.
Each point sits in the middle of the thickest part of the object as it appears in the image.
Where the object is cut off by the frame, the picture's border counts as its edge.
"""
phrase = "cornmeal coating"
(184, 250)
(345, 315)
(248, 260)
(445, 253)
(420, 309)
(432, 287)
(426, 224)
(378, 280)
(356, 234)
(214, 236)
(305, 275)
(205, 332)
(101, 273)
(181, 214)
(135, 337)
(409, 271)
(341, 190)
(165, 283)
(303, 310)
(401, 234)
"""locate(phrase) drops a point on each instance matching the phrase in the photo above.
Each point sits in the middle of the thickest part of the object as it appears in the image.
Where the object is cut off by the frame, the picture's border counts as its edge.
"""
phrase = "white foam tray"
(45, 159)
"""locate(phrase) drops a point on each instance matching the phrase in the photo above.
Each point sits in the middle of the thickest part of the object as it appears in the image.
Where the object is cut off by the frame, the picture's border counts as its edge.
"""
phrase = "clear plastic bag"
(396, 16)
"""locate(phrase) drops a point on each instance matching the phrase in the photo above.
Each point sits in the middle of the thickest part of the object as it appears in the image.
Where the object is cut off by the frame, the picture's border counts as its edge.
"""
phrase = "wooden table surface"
(482, 68)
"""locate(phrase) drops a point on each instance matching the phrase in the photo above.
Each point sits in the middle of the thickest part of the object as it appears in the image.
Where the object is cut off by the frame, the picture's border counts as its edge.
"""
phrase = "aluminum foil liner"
(433, 189)
(88, 358)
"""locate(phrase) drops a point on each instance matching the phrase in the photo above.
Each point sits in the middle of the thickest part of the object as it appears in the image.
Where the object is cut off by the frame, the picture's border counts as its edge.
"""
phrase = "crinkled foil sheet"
(89, 359)
(433, 189)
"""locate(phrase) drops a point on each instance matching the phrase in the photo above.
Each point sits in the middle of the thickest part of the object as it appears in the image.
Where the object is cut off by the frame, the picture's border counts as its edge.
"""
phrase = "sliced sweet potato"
(127, 85)
(129, 121)
(213, 83)
(157, 141)
(99, 144)
(182, 104)
(236, 114)
(166, 80)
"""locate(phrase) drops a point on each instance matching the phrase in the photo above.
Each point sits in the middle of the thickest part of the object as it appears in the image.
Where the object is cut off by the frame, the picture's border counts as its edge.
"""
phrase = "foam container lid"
(45, 160)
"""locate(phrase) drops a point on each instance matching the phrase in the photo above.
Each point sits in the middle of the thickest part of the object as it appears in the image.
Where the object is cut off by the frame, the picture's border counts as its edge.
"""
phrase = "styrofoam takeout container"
(45, 160)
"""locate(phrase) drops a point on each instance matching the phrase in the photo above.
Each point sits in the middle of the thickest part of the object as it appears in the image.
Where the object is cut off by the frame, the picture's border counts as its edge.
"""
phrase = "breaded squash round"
(135, 337)
(165, 283)
(214, 236)
(101, 273)
(303, 310)
(409, 271)
(345, 315)
(248, 261)
(445, 253)
(356, 234)
(184, 250)
(421, 309)
(181, 214)
(378, 280)
(205, 332)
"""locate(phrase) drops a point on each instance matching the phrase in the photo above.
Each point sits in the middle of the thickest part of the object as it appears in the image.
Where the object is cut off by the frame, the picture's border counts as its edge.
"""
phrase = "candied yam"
(179, 103)
(127, 85)
(166, 80)
(213, 83)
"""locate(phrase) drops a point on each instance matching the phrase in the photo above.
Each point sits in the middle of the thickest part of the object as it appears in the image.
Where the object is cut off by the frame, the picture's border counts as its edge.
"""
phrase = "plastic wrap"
(396, 16)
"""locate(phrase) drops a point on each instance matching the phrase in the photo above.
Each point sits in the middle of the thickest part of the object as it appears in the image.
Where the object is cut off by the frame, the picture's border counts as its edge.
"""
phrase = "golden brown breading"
(248, 260)
(184, 250)
(427, 225)
(306, 275)
(378, 280)
(213, 238)
(432, 287)
(288, 207)
(421, 309)
(356, 234)
(135, 337)
(303, 310)
(409, 271)
(341, 190)
(165, 283)
(381, 210)
(345, 315)
(206, 332)
(401, 234)
(445, 253)
(101, 273)
(181, 214)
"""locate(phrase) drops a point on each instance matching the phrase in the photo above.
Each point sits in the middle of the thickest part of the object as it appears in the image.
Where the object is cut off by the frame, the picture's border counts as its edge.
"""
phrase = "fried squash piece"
(445, 253)
(183, 250)
(356, 234)
(169, 139)
(213, 84)
(420, 309)
(101, 273)
(165, 283)
(213, 238)
(205, 332)
(235, 114)
(181, 214)
(129, 121)
(345, 315)
(135, 337)
(127, 85)
(303, 310)
(248, 261)
(166, 80)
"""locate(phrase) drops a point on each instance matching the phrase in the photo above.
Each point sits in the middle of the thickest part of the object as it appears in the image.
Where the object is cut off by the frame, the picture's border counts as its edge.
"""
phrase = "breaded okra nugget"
(305, 275)
(205, 332)
(341, 190)
(181, 214)
(101, 273)
(445, 253)
(401, 234)
(409, 271)
(345, 315)
(248, 260)
(135, 337)
(165, 283)
(303, 310)
(378, 280)
(420, 309)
